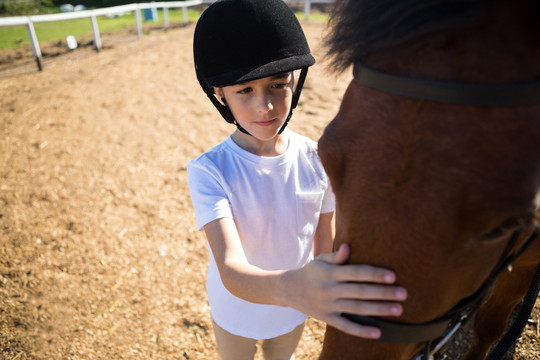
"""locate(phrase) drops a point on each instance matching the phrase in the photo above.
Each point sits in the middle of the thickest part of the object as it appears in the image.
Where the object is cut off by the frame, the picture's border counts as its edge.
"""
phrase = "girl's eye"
(245, 91)
(279, 86)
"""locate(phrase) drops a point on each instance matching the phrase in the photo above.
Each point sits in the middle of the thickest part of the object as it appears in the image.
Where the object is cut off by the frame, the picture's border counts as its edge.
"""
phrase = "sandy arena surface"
(99, 255)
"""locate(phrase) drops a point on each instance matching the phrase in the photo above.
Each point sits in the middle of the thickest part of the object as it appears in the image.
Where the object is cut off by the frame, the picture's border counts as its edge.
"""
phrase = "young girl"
(262, 196)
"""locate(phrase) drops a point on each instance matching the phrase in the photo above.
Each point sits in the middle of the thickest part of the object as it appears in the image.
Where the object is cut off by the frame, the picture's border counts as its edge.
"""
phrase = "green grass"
(13, 36)
(314, 16)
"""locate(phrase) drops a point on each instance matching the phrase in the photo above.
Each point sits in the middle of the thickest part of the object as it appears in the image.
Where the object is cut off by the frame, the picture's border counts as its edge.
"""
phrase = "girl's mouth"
(265, 122)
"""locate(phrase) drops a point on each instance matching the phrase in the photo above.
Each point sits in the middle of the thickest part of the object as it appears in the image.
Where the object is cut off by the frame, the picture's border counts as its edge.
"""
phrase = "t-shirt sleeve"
(329, 199)
(208, 192)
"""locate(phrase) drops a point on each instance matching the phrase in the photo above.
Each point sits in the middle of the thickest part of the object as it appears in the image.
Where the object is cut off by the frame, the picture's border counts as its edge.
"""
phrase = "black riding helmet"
(237, 41)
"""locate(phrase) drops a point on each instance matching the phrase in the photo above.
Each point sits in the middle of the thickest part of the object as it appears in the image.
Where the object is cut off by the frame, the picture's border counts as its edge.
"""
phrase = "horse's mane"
(358, 27)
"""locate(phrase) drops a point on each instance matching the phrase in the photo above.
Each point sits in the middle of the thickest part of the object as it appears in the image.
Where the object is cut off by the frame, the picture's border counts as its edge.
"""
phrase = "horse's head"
(435, 190)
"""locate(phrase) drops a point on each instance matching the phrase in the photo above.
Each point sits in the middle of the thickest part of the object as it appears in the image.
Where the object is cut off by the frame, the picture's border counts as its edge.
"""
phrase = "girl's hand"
(325, 289)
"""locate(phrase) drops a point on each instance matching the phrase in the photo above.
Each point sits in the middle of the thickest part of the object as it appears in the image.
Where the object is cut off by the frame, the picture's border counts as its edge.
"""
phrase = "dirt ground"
(99, 255)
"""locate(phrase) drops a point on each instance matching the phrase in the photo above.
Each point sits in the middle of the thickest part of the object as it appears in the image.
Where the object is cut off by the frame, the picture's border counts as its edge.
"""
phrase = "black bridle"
(436, 333)
(490, 94)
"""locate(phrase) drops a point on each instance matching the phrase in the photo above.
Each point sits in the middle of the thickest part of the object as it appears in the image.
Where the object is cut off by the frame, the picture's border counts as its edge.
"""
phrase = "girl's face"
(260, 106)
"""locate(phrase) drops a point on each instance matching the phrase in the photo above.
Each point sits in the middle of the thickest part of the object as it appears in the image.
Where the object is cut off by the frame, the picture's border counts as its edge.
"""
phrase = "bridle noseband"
(436, 333)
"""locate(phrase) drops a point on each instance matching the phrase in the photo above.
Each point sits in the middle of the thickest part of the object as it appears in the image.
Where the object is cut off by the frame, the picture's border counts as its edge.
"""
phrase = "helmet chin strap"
(296, 96)
(229, 117)
(239, 127)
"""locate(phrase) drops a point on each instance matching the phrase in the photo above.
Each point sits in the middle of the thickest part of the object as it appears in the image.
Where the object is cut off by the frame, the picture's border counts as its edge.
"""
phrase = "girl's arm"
(242, 279)
(324, 234)
(323, 288)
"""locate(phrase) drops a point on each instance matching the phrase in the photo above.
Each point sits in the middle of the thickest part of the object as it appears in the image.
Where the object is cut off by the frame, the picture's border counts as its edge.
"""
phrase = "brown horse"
(435, 186)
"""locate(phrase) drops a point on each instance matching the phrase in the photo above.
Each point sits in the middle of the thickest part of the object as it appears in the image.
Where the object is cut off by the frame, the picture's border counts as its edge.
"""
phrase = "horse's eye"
(509, 226)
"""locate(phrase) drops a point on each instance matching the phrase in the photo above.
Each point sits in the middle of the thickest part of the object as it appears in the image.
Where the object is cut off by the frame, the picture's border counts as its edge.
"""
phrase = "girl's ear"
(220, 95)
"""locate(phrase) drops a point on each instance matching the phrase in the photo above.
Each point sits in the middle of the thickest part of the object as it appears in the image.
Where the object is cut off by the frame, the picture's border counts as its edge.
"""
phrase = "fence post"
(184, 14)
(165, 17)
(307, 9)
(138, 23)
(35, 43)
(95, 31)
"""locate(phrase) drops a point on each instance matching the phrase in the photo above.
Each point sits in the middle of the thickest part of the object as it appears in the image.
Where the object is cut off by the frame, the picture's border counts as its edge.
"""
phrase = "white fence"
(92, 15)
(307, 4)
(115, 10)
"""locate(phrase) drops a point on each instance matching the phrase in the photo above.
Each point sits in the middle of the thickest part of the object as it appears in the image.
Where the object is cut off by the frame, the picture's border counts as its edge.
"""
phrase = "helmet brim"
(247, 74)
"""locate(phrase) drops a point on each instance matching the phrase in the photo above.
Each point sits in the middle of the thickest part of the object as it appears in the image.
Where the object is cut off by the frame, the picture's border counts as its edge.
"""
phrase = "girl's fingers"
(362, 308)
(338, 257)
(355, 273)
(371, 292)
(364, 273)
(354, 329)
(368, 308)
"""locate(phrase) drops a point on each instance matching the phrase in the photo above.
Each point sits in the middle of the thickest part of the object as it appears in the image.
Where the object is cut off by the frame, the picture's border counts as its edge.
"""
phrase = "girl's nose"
(264, 103)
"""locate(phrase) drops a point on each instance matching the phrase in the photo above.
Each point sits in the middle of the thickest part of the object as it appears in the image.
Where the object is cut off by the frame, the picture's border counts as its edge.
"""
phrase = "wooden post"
(95, 30)
(307, 9)
(165, 17)
(184, 14)
(138, 23)
(35, 43)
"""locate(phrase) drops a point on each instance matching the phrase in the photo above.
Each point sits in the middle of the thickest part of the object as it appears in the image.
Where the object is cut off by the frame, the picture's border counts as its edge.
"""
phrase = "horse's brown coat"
(419, 183)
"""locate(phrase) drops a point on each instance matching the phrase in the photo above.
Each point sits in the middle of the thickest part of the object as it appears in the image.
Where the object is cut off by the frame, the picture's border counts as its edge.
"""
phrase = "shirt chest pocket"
(308, 210)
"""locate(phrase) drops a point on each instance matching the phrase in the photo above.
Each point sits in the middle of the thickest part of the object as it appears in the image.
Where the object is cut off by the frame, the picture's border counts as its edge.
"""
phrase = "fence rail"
(115, 10)
(92, 15)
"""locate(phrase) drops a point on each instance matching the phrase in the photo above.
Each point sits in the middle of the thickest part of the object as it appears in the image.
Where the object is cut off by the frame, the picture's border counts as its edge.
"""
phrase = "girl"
(262, 196)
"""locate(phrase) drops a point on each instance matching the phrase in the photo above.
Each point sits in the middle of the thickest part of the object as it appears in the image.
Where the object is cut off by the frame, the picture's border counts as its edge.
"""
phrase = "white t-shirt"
(276, 203)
